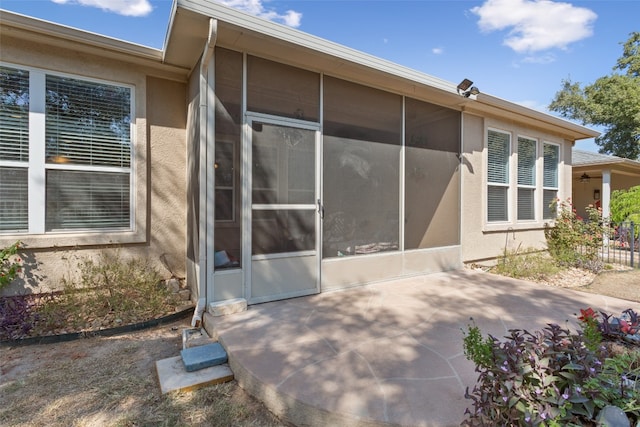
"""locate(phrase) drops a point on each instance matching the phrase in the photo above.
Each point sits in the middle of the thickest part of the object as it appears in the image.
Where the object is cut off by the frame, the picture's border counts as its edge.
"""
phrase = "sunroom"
(310, 169)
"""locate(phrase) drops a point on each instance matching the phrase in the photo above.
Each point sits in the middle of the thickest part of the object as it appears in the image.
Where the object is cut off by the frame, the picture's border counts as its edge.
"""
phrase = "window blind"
(526, 206)
(498, 157)
(87, 123)
(526, 161)
(14, 199)
(78, 199)
(497, 204)
(551, 159)
(14, 114)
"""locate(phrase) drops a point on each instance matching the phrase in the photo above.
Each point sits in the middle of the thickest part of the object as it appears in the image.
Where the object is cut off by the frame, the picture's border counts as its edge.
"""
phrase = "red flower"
(625, 327)
(587, 314)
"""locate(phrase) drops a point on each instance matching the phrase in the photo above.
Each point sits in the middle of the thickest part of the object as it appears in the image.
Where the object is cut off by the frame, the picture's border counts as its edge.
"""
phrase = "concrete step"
(173, 376)
(204, 356)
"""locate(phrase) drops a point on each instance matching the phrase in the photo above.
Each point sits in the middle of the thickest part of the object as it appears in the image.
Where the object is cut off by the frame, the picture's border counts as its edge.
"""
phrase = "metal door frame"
(247, 205)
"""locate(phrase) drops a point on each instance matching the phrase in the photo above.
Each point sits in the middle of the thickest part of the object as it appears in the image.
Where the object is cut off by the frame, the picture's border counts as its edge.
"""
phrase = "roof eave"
(29, 28)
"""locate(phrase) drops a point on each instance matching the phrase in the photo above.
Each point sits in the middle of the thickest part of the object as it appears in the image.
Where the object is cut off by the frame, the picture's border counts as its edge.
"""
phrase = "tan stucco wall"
(480, 242)
(159, 172)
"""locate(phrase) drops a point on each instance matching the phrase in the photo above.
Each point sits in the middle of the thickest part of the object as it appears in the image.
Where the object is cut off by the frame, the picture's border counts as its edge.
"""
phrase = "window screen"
(87, 123)
(79, 200)
(432, 175)
(550, 180)
(14, 149)
(527, 155)
(14, 114)
(498, 152)
(14, 198)
(361, 161)
(282, 90)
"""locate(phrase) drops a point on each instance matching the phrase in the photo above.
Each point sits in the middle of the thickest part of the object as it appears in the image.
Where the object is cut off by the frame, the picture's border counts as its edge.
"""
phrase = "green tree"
(625, 205)
(612, 102)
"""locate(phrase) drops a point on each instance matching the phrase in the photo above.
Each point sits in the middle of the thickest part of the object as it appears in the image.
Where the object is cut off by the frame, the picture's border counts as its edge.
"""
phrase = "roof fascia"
(305, 40)
(483, 104)
(489, 103)
(91, 42)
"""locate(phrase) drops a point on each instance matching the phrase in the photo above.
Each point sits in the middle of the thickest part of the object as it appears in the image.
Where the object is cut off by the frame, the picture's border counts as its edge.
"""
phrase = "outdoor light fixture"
(585, 178)
(466, 89)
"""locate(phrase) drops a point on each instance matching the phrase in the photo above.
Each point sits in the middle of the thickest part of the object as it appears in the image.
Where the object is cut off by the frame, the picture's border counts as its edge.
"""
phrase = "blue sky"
(519, 50)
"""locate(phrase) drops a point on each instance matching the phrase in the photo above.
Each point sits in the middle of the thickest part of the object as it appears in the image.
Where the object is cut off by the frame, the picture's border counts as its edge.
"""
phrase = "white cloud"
(290, 18)
(437, 51)
(121, 7)
(536, 25)
(539, 59)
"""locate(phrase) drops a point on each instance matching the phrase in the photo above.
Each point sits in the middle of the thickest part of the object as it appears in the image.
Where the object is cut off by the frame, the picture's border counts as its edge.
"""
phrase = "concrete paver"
(388, 353)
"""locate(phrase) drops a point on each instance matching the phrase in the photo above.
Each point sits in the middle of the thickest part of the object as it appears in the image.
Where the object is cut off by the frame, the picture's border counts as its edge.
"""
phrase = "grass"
(112, 382)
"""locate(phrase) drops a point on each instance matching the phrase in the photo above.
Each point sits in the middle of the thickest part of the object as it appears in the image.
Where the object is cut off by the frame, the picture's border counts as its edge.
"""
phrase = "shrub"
(17, 316)
(574, 241)
(10, 264)
(107, 291)
(551, 377)
(527, 265)
(625, 204)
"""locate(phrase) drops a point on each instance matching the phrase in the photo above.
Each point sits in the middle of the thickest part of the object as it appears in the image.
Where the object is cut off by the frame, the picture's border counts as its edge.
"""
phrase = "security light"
(464, 85)
(463, 88)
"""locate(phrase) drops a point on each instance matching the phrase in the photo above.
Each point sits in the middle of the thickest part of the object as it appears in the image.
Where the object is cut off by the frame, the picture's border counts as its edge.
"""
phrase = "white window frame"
(506, 185)
(37, 165)
(536, 179)
(512, 187)
(548, 188)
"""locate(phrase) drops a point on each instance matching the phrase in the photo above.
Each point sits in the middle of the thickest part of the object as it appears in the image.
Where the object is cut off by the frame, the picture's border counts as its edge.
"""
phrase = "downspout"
(207, 122)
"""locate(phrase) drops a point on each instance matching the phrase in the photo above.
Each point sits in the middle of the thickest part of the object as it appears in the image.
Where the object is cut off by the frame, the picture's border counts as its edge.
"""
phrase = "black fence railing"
(621, 244)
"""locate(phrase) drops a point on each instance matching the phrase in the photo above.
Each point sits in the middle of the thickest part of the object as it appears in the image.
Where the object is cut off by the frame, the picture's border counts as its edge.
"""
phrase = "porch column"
(606, 198)
(606, 193)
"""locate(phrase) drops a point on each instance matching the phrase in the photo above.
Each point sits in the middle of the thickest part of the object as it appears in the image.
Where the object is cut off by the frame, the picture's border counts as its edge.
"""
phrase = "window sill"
(83, 238)
(520, 226)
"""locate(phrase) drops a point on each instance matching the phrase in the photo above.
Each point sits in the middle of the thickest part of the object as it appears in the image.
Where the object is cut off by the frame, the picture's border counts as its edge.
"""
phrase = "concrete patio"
(388, 353)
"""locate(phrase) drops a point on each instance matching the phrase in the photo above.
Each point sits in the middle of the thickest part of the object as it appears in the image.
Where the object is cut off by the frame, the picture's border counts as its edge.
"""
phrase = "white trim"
(37, 162)
(262, 257)
(402, 176)
(205, 262)
(38, 166)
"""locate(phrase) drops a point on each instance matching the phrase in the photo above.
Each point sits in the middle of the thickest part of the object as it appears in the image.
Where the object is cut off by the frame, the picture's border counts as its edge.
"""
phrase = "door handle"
(320, 209)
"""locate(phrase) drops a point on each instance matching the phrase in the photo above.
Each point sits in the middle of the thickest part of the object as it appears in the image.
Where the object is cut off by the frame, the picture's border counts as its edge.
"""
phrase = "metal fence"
(621, 244)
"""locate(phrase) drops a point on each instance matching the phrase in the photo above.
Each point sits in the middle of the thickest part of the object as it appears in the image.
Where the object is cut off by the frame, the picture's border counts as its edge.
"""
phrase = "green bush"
(574, 241)
(553, 377)
(624, 204)
(10, 264)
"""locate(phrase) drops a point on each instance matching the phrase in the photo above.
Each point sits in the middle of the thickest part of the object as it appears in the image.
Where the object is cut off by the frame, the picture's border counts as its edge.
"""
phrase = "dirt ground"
(111, 381)
(620, 284)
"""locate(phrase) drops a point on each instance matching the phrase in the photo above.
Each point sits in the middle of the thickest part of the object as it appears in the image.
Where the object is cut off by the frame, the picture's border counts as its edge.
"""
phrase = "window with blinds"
(87, 123)
(14, 149)
(498, 153)
(84, 178)
(551, 154)
(527, 155)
